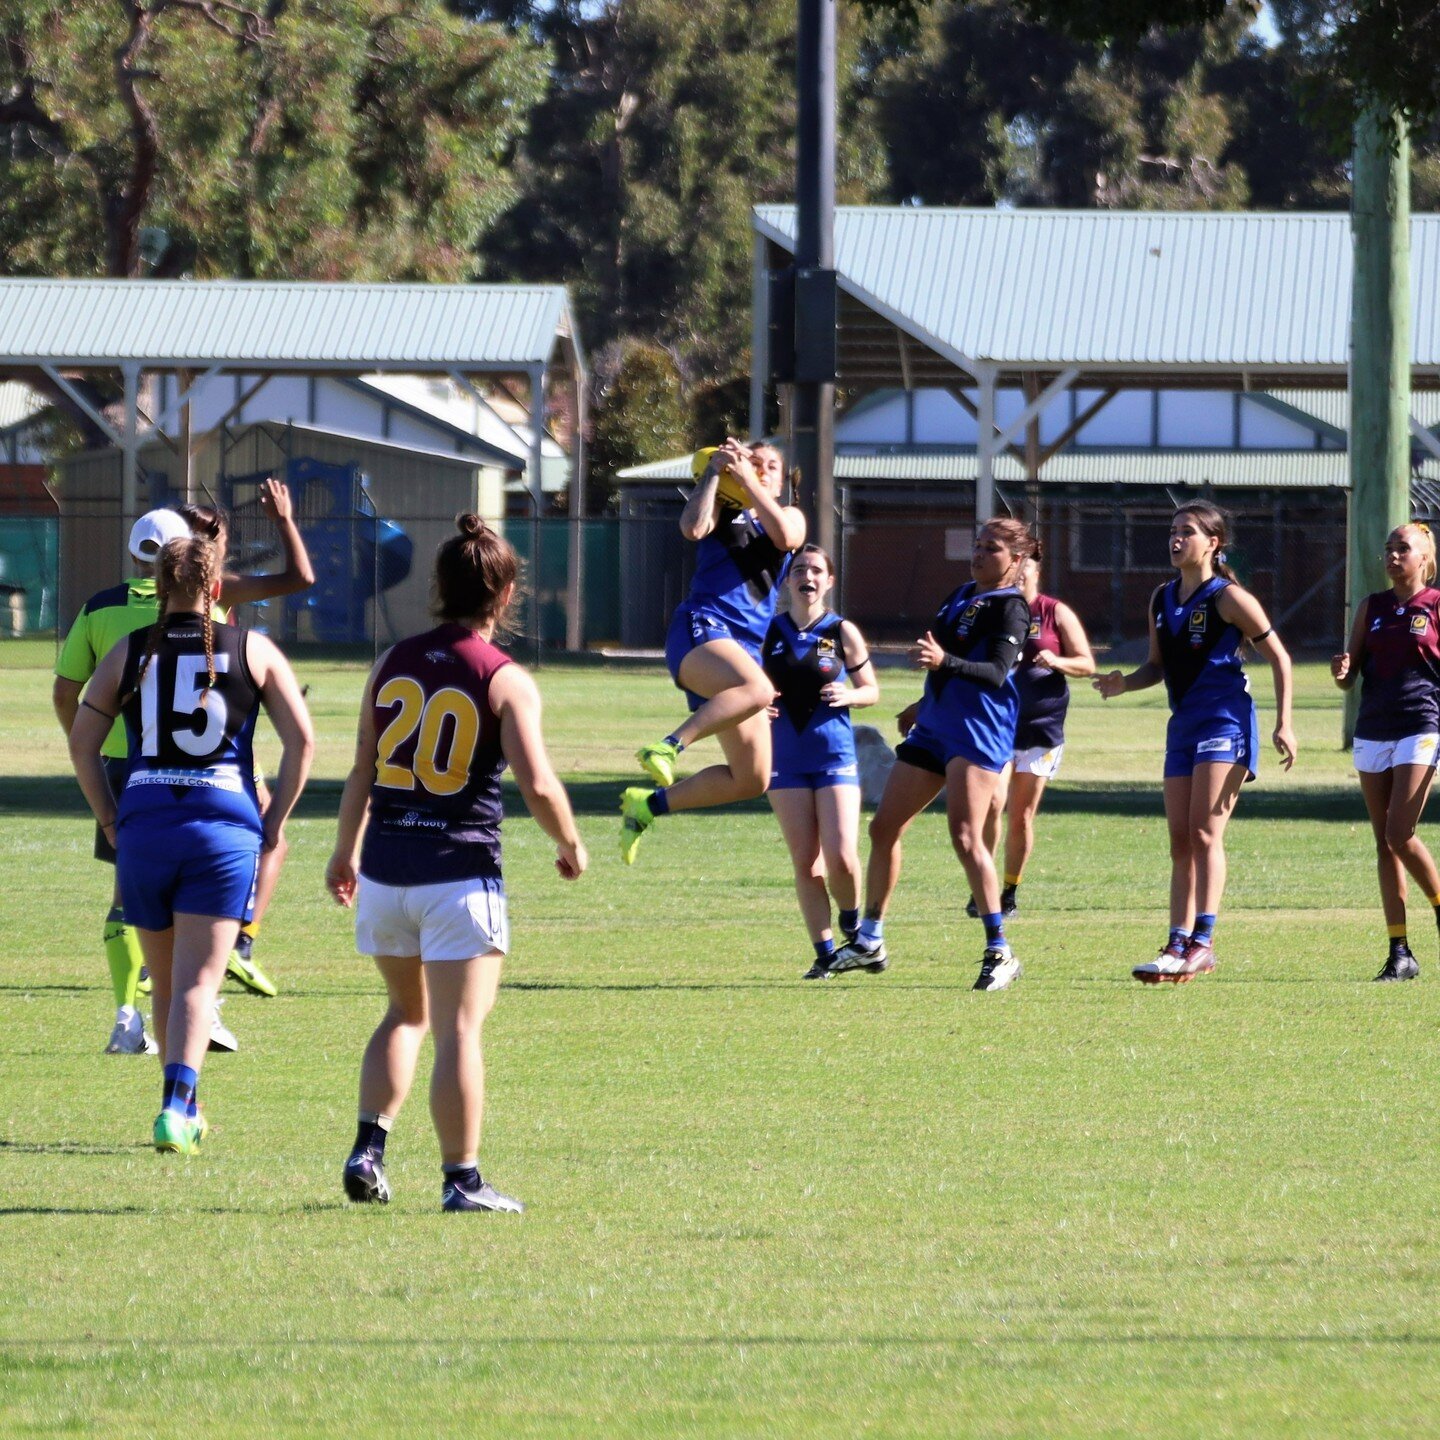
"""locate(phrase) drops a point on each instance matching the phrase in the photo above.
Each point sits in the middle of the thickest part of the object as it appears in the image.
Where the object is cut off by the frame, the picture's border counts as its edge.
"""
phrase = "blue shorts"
(690, 627)
(928, 749)
(200, 869)
(840, 773)
(1222, 739)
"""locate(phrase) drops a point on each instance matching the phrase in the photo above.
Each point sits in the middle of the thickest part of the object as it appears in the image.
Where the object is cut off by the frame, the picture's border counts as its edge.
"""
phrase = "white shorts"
(1037, 760)
(1374, 756)
(457, 920)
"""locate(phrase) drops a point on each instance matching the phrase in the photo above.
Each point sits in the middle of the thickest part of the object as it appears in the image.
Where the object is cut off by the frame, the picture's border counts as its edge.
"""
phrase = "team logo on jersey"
(825, 646)
(1197, 619)
(1034, 629)
(1419, 624)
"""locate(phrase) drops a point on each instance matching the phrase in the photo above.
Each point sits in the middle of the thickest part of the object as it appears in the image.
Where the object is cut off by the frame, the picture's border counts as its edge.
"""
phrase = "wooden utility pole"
(1379, 358)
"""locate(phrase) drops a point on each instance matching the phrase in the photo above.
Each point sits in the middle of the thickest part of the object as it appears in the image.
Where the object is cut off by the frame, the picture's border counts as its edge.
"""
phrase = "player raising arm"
(743, 550)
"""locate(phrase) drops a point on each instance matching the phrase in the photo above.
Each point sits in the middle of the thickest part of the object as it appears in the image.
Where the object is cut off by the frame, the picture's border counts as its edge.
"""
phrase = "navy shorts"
(828, 776)
(189, 870)
(928, 749)
(690, 627)
(115, 775)
(1222, 739)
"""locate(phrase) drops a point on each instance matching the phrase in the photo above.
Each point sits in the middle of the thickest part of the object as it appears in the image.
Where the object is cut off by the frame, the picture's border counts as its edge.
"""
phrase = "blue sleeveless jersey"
(738, 573)
(191, 759)
(807, 734)
(1200, 654)
(965, 625)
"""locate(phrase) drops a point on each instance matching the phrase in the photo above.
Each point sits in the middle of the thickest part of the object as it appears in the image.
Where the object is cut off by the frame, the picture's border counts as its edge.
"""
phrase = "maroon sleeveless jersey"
(435, 805)
(1400, 674)
(1044, 693)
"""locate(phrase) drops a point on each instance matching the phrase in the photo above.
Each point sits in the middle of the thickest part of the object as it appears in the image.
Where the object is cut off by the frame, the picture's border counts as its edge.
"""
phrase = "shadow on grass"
(64, 1147)
(52, 795)
(985, 1343)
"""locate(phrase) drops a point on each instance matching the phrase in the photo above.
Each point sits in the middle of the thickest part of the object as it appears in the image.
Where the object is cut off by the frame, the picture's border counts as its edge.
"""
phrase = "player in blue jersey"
(1057, 647)
(298, 574)
(187, 829)
(418, 854)
(1395, 653)
(959, 737)
(810, 654)
(713, 647)
(1198, 623)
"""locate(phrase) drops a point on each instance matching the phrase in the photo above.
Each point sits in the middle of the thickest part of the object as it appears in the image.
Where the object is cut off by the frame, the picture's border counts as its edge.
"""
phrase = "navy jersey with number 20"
(435, 806)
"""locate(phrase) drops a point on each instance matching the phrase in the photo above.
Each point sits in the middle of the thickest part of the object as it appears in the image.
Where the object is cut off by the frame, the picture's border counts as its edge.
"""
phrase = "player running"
(443, 714)
(815, 783)
(1395, 652)
(713, 647)
(187, 827)
(1056, 648)
(1198, 622)
(959, 737)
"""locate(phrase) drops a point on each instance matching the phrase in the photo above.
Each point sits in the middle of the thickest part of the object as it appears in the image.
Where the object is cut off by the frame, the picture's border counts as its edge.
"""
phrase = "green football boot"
(658, 761)
(636, 820)
(174, 1133)
(199, 1129)
(249, 974)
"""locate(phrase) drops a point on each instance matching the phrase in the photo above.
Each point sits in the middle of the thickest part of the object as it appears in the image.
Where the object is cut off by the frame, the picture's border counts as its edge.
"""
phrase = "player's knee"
(751, 784)
(1398, 834)
(759, 693)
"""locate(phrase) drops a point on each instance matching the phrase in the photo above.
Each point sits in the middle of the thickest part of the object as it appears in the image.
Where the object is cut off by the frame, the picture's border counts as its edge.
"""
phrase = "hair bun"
(470, 525)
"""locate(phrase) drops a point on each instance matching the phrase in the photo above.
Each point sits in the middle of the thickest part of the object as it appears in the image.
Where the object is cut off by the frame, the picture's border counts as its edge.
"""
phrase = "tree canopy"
(344, 139)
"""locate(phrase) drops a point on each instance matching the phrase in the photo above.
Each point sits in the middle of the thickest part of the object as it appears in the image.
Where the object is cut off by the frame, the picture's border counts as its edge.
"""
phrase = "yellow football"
(730, 491)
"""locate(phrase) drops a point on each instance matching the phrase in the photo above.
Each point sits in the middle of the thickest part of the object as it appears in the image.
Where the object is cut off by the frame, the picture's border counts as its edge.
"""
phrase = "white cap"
(154, 529)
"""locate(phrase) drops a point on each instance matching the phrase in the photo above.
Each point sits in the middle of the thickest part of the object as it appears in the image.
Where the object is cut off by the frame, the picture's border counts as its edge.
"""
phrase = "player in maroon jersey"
(1395, 652)
(443, 714)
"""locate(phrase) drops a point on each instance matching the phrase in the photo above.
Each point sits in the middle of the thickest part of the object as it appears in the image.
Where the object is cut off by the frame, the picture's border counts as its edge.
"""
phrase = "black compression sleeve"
(1001, 651)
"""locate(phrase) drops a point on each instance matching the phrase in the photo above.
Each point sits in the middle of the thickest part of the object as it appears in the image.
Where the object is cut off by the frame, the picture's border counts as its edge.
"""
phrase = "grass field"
(878, 1206)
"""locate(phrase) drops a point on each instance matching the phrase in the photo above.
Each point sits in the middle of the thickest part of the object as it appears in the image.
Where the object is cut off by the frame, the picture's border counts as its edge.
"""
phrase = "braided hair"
(187, 568)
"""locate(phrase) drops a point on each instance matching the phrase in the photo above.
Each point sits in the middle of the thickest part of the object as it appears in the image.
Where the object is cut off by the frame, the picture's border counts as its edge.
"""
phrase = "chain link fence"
(612, 582)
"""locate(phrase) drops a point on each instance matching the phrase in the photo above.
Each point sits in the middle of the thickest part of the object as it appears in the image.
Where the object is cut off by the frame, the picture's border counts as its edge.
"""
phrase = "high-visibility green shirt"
(104, 621)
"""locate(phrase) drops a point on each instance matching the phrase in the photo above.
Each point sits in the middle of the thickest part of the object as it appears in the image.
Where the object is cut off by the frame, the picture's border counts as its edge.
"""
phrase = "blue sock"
(1178, 936)
(825, 949)
(467, 1177)
(192, 1107)
(1204, 930)
(994, 928)
(871, 931)
(180, 1082)
(850, 920)
(676, 741)
(659, 803)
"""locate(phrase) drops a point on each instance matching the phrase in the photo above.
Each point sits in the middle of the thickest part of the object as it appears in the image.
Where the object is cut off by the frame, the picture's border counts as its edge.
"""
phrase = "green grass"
(881, 1206)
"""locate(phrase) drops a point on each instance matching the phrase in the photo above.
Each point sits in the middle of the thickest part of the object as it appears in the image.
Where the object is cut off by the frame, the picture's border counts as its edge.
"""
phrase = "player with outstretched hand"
(1198, 623)
(418, 856)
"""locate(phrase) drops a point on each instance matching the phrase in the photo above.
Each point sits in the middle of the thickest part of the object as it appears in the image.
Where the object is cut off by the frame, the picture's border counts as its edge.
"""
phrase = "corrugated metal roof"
(1225, 469)
(280, 324)
(1333, 406)
(1115, 288)
(18, 402)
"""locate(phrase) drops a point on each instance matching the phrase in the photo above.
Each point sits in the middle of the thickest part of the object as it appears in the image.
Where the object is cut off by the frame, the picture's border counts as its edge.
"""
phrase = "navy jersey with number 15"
(435, 806)
(190, 744)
